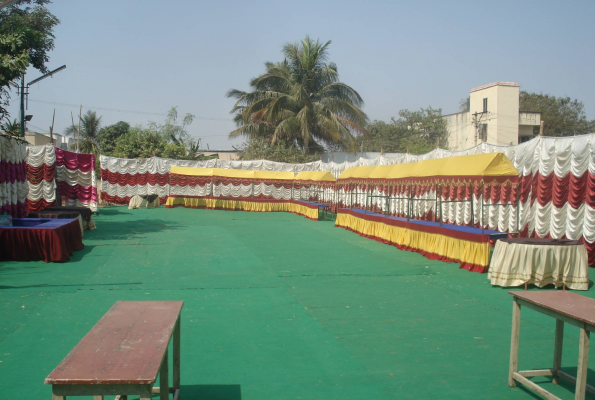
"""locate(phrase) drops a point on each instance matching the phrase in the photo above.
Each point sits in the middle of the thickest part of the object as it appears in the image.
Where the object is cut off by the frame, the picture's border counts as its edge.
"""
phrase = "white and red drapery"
(41, 177)
(13, 177)
(229, 187)
(75, 178)
(121, 179)
(457, 202)
(51, 170)
(556, 185)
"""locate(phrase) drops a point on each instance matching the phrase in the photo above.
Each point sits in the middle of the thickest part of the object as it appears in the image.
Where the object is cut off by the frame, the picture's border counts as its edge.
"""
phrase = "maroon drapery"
(49, 245)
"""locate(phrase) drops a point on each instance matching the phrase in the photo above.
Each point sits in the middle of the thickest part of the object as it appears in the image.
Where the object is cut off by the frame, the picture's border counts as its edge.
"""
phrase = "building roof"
(499, 83)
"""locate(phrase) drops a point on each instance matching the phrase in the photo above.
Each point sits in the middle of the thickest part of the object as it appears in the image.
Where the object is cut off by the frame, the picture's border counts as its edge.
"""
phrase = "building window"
(485, 105)
(483, 131)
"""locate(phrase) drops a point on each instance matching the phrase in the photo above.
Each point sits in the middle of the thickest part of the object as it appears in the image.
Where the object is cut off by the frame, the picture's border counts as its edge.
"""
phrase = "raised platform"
(305, 209)
(466, 245)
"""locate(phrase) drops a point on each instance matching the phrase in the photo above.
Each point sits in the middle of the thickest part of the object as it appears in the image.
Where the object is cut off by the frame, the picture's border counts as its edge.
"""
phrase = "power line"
(119, 110)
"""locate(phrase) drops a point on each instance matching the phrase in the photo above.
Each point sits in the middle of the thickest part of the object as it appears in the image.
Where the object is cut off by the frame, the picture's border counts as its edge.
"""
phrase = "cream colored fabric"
(513, 264)
(139, 202)
(88, 225)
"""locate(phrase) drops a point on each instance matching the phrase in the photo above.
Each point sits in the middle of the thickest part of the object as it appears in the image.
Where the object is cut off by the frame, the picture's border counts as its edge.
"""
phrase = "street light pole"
(23, 93)
(23, 105)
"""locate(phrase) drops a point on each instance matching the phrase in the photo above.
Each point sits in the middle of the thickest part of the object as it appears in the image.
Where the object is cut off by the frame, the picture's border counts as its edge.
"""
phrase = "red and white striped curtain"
(13, 178)
(41, 174)
(75, 178)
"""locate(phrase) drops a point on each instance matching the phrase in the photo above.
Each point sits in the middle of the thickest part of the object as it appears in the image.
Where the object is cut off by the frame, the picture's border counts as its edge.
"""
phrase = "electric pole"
(476, 122)
(25, 93)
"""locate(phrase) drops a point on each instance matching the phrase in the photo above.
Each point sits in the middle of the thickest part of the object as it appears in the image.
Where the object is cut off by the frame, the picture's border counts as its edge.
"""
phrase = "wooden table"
(85, 212)
(565, 307)
(123, 353)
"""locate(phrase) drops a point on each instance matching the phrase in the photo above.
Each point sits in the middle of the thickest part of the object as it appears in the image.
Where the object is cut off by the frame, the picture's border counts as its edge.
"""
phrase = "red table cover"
(53, 241)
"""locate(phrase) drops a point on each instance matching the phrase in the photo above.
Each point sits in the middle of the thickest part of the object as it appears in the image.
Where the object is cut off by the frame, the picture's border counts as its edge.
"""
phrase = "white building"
(230, 155)
(493, 116)
(42, 138)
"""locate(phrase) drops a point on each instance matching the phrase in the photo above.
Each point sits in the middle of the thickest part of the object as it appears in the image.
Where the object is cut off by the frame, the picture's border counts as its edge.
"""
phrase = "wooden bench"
(123, 354)
(566, 307)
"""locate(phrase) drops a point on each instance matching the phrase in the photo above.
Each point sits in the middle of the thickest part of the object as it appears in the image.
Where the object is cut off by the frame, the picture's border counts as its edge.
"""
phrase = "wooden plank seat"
(123, 354)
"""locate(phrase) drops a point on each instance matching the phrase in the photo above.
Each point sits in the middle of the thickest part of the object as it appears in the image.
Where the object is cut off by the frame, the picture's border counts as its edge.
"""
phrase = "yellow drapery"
(464, 251)
(243, 205)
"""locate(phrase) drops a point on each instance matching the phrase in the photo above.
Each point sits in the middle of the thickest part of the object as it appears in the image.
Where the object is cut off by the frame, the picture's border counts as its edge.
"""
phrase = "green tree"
(170, 130)
(144, 143)
(415, 131)
(26, 38)
(107, 136)
(259, 148)
(11, 129)
(562, 116)
(139, 143)
(300, 101)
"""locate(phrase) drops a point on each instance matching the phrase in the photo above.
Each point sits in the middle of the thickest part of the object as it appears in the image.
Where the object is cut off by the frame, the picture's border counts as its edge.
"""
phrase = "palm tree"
(90, 126)
(12, 129)
(300, 101)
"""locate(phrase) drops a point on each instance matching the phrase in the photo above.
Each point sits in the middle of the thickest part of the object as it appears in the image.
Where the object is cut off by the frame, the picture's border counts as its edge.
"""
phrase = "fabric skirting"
(307, 210)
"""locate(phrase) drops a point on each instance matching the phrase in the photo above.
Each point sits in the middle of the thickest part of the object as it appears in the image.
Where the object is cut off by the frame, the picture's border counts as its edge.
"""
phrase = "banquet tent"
(556, 183)
(229, 189)
(316, 186)
(445, 191)
(453, 188)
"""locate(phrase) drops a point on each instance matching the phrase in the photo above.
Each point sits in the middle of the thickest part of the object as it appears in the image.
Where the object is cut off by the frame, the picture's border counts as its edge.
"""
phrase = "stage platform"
(468, 246)
(303, 208)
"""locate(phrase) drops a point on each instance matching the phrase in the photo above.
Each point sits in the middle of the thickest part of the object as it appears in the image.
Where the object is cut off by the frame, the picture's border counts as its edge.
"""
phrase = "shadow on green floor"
(118, 230)
(115, 211)
(211, 392)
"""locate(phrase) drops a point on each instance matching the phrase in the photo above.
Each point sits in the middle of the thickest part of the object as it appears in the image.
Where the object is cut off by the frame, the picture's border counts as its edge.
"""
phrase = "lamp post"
(25, 92)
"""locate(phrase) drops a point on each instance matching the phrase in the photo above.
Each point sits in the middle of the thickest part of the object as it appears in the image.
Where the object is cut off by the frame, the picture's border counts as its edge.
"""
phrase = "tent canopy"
(191, 171)
(232, 173)
(478, 166)
(315, 176)
(357, 173)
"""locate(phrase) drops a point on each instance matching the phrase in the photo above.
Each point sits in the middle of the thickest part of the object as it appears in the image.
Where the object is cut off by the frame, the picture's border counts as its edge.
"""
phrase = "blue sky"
(151, 55)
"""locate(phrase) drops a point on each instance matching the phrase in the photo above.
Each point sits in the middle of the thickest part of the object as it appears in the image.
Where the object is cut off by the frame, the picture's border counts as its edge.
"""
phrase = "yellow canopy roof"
(489, 164)
(357, 172)
(304, 175)
(323, 176)
(278, 175)
(232, 173)
(191, 171)
(318, 176)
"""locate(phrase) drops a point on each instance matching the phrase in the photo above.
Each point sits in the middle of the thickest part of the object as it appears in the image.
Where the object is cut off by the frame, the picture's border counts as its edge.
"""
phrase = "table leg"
(56, 397)
(176, 382)
(164, 378)
(514, 342)
(558, 341)
(583, 357)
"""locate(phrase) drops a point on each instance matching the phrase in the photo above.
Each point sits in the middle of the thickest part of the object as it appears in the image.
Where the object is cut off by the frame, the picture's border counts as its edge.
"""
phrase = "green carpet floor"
(277, 307)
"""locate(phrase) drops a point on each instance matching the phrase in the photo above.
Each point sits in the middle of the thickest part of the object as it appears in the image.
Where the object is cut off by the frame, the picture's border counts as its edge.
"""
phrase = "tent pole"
(472, 219)
(518, 210)
(482, 207)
